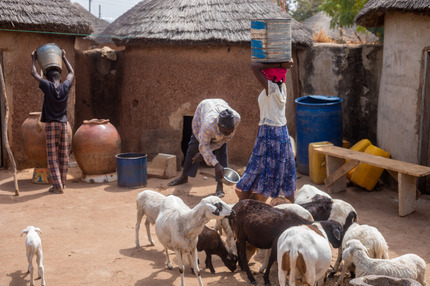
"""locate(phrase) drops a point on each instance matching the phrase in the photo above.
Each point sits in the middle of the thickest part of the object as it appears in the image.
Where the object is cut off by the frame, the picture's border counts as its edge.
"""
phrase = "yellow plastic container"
(365, 175)
(359, 146)
(346, 144)
(317, 163)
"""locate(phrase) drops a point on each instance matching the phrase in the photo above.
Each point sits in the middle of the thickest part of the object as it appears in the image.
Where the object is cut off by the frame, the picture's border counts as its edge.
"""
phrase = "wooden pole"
(4, 128)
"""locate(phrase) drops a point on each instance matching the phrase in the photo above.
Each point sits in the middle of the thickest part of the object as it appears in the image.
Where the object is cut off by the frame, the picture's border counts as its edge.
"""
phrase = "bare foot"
(179, 181)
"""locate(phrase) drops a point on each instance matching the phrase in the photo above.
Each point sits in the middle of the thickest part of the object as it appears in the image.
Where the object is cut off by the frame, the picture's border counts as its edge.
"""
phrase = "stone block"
(162, 166)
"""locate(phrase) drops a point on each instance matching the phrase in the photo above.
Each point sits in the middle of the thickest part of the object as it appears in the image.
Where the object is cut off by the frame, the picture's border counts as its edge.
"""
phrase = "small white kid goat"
(33, 246)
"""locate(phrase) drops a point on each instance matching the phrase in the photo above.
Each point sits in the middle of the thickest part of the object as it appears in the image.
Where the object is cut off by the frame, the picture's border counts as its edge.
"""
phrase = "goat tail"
(288, 264)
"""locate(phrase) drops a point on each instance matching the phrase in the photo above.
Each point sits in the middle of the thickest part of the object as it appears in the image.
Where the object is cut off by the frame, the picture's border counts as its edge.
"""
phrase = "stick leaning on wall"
(4, 128)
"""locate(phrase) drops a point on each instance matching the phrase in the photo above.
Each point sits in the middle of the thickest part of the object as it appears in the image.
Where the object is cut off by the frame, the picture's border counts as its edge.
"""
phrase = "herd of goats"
(299, 236)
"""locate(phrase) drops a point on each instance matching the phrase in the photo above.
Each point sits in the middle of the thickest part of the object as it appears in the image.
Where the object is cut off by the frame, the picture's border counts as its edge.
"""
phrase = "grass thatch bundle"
(199, 22)
(372, 14)
(43, 15)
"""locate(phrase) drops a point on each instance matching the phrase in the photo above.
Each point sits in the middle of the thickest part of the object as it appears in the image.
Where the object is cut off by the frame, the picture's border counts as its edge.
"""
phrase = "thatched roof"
(99, 25)
(320, 22)
(199, 21)
(43, 15)
(372, 14)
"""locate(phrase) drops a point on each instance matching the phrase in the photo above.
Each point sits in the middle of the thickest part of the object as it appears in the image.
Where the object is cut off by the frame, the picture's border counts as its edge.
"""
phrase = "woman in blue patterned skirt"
(271, 170)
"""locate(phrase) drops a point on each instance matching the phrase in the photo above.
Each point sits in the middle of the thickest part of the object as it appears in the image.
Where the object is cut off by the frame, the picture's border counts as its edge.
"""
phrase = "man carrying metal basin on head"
(54, 111)
(271, 170)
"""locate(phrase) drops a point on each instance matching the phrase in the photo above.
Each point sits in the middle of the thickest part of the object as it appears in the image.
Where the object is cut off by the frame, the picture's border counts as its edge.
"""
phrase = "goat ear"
(213, 209)
(38, 229)
(346, 253)
(25, 230)
(337, 234)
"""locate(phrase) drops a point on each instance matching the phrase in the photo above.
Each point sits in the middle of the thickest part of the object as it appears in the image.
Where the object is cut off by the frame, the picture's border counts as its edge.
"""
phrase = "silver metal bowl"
(231, 177)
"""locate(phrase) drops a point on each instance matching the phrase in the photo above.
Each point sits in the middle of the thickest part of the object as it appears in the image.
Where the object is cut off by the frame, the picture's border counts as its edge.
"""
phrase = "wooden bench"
(405, 173)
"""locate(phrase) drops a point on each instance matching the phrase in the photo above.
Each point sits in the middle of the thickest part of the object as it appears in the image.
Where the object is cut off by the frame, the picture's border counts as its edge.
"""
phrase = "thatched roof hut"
(199, 21)
(26, 25)
(320, 24)
(42, 15)
(372, 14)
(181, 52)
(99, 25)
(404, 96)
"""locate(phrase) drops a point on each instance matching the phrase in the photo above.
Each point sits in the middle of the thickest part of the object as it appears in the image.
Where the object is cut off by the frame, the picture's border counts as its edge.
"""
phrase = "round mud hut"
(26, 25)
(178, 53)
(404, 93)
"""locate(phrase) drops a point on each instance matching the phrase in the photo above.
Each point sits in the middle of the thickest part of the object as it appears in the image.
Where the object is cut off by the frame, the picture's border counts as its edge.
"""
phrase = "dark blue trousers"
(190, 169)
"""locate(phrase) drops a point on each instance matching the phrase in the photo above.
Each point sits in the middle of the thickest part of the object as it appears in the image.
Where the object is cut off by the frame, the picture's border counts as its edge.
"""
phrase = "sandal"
(55, 191)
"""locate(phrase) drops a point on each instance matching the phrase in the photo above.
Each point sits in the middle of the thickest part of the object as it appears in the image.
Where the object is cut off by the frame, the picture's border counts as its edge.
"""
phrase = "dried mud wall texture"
(406, 38)
(162, 84)
(24, 95)
(98, 87)
(351, 72)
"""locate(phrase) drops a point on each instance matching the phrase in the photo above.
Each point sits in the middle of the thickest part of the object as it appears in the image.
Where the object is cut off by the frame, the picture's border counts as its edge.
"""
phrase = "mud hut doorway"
(424, 148)
(187, 131)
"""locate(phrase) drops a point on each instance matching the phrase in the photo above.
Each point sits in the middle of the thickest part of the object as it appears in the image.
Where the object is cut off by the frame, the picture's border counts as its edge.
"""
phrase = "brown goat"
(260, 225)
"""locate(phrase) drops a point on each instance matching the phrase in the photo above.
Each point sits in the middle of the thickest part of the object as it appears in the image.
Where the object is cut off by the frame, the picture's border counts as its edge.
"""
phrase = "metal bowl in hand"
(231, 177)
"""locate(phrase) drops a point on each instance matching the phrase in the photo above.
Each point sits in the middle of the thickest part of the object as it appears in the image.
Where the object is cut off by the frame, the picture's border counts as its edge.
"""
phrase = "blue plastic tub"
(131, 169)
(318, 118)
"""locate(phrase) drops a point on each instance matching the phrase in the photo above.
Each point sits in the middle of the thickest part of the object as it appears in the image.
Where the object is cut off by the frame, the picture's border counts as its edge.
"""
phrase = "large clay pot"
(95, 144)
(34, 141)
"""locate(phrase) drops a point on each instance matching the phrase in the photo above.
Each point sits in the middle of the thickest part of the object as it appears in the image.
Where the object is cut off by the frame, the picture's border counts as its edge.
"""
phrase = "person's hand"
(33, 55)
(64, 53)
(197, 158)
(219, 170)
(287, 65)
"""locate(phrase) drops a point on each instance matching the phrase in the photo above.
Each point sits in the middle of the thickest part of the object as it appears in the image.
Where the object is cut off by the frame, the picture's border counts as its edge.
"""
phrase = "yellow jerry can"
(359, 146)
(365, 175)
(317, 163)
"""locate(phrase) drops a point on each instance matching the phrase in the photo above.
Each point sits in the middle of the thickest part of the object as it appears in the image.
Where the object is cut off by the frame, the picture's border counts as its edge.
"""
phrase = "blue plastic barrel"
(131, 169)
(318, 118)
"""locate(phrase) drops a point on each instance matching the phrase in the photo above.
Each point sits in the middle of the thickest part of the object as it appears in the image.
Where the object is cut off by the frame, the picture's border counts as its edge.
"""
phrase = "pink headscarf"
(275, 74)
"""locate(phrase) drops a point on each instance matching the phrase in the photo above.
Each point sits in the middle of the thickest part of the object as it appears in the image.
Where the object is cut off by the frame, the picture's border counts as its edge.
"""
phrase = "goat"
(260, 225)
(210, 242)
(304, 252)
(308, 193)
(33, 246)
(405, 266)
(299, 210)
(148, 203)
(177, 227)
(370, 237)
(223, 225)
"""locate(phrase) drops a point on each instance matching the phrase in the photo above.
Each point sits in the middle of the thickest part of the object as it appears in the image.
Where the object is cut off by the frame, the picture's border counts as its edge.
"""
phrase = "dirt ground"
(89, 231)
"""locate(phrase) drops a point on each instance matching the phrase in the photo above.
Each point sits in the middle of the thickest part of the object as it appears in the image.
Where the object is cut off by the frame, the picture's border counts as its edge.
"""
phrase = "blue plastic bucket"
(131, 169)
(318, 118)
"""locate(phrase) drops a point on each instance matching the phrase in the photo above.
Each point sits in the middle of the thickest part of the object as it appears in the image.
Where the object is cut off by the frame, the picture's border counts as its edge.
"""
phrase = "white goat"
(304, 252)
(33, 246)
(307, 194)
(299, 210)
(406, 266)
(178, 227)
(370, 237)
(148, 203)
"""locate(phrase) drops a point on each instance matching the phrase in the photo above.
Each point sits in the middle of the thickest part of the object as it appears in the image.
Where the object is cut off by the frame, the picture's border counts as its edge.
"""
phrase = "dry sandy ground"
(88, 232)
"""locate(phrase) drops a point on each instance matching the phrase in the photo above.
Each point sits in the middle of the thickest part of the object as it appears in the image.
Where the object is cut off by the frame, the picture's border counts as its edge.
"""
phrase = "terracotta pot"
(95, 144)
(34, 141)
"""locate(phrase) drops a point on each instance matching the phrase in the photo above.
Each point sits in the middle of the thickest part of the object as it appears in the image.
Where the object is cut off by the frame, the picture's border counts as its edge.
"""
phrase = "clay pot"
(34, 141)
(95, 144)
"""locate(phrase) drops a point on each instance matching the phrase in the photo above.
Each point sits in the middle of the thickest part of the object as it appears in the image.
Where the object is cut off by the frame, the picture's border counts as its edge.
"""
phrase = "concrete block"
(162, 166)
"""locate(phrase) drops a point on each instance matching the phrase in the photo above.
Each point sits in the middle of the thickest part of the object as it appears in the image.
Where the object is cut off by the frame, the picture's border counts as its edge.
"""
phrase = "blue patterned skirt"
(271, 170)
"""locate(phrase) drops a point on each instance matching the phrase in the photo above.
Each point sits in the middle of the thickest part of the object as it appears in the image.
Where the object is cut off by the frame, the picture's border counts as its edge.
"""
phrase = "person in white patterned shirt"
(214, 124)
